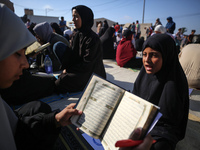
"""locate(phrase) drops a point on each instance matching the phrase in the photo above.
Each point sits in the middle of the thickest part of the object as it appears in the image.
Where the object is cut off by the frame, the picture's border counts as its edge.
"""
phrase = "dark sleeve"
(78, 74)
(171, 125)
(36, 126)
(172, 27)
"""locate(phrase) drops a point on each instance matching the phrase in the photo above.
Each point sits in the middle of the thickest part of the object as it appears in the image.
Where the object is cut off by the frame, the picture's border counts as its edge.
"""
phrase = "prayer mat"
(71, 139)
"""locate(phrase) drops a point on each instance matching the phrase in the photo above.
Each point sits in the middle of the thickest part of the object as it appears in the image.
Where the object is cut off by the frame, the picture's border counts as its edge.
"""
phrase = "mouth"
(148, 67)
(18, 76)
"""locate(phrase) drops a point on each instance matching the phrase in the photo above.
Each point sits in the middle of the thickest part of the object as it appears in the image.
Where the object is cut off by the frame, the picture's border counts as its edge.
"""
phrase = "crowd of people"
(163, 78)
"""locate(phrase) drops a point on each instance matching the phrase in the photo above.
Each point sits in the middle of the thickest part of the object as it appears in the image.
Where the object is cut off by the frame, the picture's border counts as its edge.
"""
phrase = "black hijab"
(167, 88)
(87, 19)
(107, 43)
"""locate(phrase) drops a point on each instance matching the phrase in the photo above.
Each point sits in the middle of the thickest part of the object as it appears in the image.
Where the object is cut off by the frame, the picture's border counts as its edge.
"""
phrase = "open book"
(110, 113)
(36, 47)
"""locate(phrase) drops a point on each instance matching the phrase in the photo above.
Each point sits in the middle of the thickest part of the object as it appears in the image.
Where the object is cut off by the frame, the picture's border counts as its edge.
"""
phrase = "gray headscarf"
(44, 31)
(14, 35)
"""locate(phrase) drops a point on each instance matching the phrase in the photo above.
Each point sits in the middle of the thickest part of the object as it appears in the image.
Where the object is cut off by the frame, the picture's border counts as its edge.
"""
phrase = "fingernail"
(138, 130)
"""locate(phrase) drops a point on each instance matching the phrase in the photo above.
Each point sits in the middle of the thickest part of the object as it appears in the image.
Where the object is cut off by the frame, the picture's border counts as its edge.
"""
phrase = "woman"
(44, 34)
(104, 28)
(126, 52)
(56, 28)
(107, 42)
(85, 55)
(33, 126)
(162, 82)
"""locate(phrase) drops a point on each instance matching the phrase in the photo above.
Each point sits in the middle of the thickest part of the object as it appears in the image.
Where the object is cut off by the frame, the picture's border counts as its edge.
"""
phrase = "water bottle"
(48, 65)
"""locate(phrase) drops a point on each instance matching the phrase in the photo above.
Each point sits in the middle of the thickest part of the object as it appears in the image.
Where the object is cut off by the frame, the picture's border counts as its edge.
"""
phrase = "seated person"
(78, 62)
(44, 33)
(34, 125)
(107, 43)
(85, 55)
(126, 53)
(190, 62)
(162, 82)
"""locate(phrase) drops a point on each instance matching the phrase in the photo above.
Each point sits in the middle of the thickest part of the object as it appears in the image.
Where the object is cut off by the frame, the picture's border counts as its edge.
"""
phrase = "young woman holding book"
(162, 82)
(34, 125)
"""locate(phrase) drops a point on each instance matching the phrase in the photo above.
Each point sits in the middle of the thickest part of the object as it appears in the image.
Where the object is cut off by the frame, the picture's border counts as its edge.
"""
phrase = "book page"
(131, 113)
(97, 104)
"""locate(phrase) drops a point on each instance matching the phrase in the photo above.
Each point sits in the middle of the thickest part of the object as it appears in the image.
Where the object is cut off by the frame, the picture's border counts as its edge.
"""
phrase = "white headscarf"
(14, 35)
(160, 28)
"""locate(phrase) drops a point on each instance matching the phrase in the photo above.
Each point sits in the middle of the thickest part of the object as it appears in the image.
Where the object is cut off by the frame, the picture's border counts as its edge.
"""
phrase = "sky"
(185, 13)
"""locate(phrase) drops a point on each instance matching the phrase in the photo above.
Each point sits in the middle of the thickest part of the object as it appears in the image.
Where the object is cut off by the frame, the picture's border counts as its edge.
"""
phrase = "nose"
(147, 58)
(24, 63)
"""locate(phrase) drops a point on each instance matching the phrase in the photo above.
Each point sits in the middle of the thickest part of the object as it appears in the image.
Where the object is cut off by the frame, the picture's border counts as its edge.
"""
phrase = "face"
(152, 60)
(76, 18)
(11, 68)
(39, 39)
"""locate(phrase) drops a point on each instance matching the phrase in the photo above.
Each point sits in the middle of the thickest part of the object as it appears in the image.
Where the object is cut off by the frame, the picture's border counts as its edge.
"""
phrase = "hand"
(146, 145)
(64, 71)
(63, 118)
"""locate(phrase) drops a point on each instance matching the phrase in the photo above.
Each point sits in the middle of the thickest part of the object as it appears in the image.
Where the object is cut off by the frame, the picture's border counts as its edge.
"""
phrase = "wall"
(39, 19)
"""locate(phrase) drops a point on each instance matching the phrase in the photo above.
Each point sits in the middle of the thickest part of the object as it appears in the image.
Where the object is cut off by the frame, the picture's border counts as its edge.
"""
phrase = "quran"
(110, 113)
(36, 47)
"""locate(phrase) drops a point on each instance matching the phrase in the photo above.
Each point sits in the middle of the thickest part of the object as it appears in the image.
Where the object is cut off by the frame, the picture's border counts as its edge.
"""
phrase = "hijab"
(17, 37)
(87, 17)
(170, 81)
(56, 27)
(108, 35)
(44, 31)
(107, 42)
(12, 40)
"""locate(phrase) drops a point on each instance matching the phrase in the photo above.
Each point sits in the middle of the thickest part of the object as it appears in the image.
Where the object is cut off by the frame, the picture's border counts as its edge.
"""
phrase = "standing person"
(117, 28)
(157, 22)
(104, 28)
(62, 24)
(132, 27)
(85, 55)
(28, 23)
(99, 26)
(162, 82)
(190, 37)
(137, 30)
(126, 53)
(108, 43)
(34, 125)
(179, 35)
(170, 26)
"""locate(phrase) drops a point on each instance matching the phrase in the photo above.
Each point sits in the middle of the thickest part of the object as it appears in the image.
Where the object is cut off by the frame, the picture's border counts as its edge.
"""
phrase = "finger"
(148, 140)
(135, 135)
(73, 111)
(72, 105)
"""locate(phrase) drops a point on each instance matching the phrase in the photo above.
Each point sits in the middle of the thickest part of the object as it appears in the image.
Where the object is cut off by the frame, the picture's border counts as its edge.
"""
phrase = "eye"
(18, 54)
(155, 55)
(144, 54)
